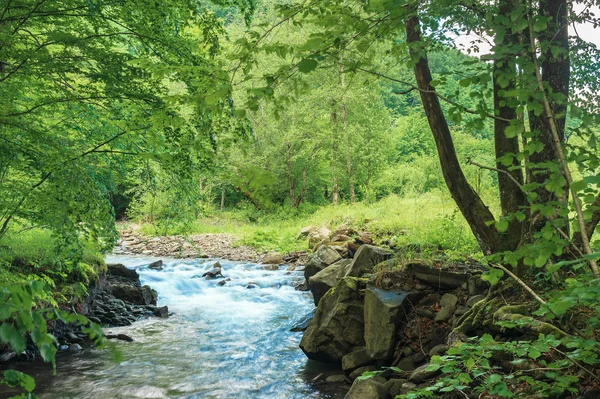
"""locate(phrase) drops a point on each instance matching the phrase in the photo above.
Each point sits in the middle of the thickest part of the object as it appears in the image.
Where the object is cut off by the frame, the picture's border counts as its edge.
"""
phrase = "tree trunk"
(290, 174)
(222, 198)
(476, 213)
(300, 198)
(510, 178)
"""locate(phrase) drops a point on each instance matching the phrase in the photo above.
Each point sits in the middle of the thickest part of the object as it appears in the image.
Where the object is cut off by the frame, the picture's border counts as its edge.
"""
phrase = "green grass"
(430, 222)
(34, 255)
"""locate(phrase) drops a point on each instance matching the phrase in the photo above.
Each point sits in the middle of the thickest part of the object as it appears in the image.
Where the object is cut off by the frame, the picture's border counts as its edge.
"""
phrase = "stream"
(221, 341)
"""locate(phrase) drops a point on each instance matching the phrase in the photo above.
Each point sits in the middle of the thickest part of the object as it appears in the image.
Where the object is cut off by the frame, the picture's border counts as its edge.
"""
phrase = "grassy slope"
(428, 221)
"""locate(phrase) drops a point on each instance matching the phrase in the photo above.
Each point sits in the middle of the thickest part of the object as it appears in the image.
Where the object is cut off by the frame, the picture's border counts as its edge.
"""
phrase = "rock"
(318, 261)
(158, 265)
(426, 312)
(321, 282)
(75, 348)
(361, 370)
(356, 359)
(383, 312)
(406, 364)
(430, 300)
(338, 325)
(273, 258)
(162, 312)
(394, 386)
(305, 232)
(408, 386)
(421, 374)
(436, 278)
(365, 259)
(135, 295)
(449, 300)
(120, 270)
(438, 350)
(222, 283)
(367, 389)
(444, 314)
(121, 337)
(252, 286)
(317, 236)
(474, 299)
(214, 272)
(461, 310)
(337, 378)
(72, 338)
(7, 356)
(302, 323)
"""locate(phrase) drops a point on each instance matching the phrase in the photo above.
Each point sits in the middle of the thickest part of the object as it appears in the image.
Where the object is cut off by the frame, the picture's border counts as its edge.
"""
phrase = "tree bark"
(476, 213)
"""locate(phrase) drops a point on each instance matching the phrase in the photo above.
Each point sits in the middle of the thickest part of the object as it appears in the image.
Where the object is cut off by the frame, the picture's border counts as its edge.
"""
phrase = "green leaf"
(502, 225)
(540, 25)
(307, 65)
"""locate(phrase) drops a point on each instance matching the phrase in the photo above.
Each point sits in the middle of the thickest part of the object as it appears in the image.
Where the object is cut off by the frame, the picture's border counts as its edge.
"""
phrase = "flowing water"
(221, 342)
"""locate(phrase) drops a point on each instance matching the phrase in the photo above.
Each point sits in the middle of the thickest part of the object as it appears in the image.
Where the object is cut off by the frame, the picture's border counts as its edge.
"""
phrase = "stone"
(406, 364)
(317, 236)
(356, 359)
(162, 312)
(426, 312)
(318, 261)
(449, 300)
(365, 259)
(383, 312)
(394, 386)
(75, 348)
(222, 283)
(461, 310)
(158, 265)
(408, 386)
(421, 374)
(474, 299)
(120, 270)
(338, 325)
(135, 295)
(302, 323)
(322, 282)
(361, 370)
(367, 389)
(438, 350)
(436, 278)
(444, 314)
(5, 357)
(430, 300)
(337, 379)
(273, 258)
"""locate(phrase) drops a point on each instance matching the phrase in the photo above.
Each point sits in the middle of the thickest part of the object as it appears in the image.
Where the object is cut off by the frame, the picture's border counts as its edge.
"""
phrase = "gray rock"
(461, 310)
(319, 260)
(7, 356)
(361, 370)
(75, 348)
(438, 350)
(338, 325)
(162, 312)
(367, 389)
(158, 265)
(356, 359)
(337, 378)
(426, 312)
(421, 374)
(383, 312)
(72, 338)
(444, 314)
(406, 364)
(474, 299)
(394, 386)
(436, 278)
(366, 258)
(325, 279)
(448, 300)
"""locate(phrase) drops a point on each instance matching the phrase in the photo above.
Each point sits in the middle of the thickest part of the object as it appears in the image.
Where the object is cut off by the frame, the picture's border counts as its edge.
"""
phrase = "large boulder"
(366, 258)
(338, 326)
(134, 295)
(372, 388)
(317, 236)
(384, 310)
(324, 280)
(319, 260)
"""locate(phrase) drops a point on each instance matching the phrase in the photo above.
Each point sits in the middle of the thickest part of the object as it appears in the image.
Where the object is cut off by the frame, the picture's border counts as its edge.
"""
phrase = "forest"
(451, 138)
